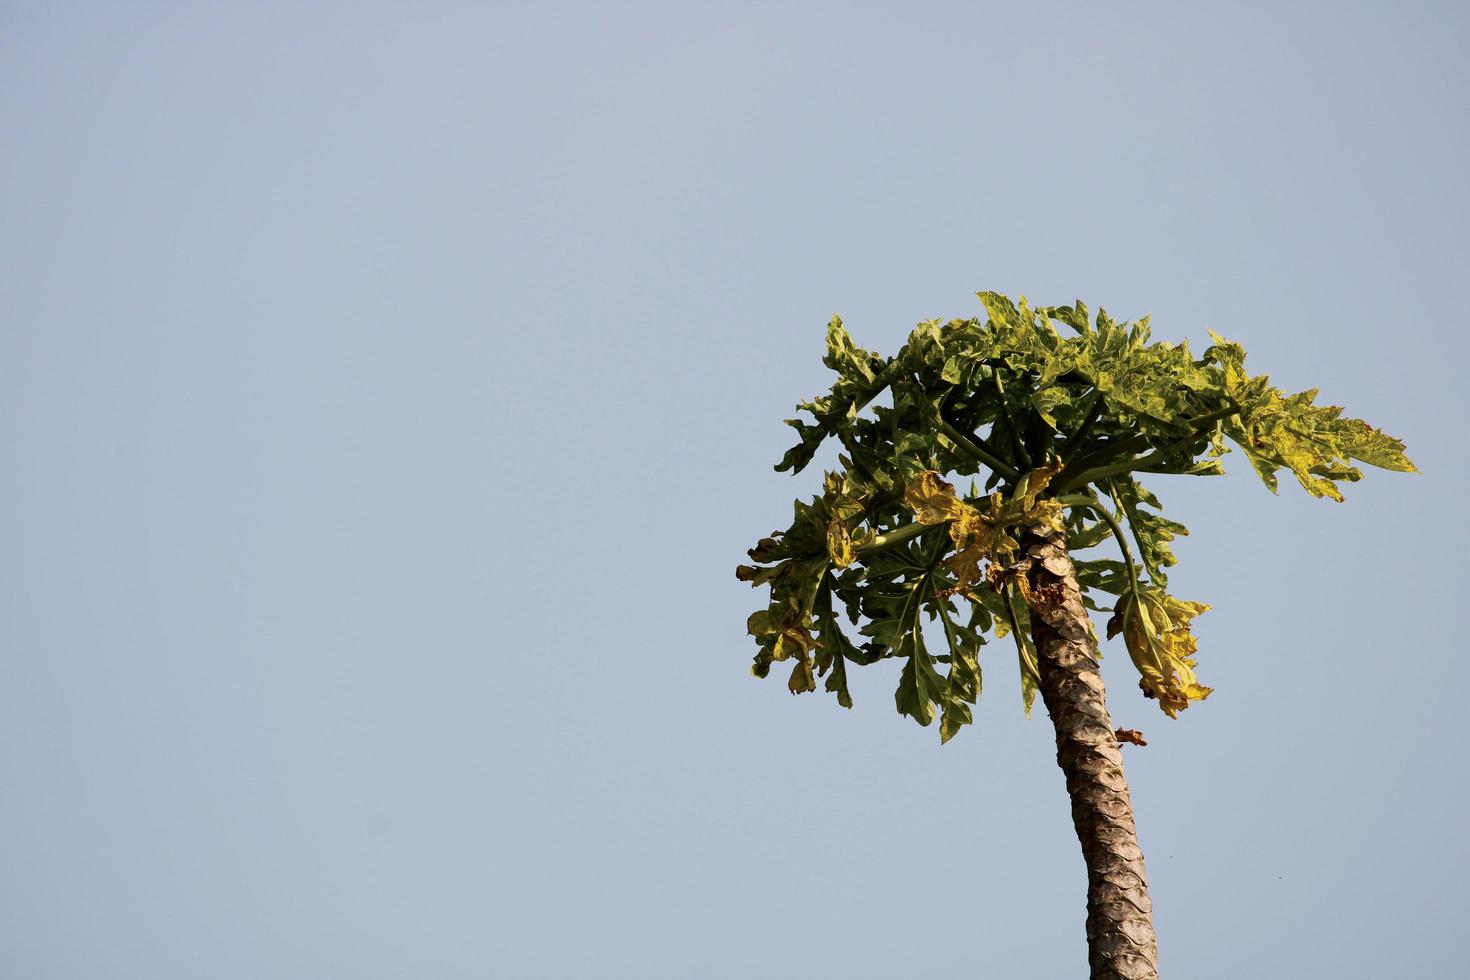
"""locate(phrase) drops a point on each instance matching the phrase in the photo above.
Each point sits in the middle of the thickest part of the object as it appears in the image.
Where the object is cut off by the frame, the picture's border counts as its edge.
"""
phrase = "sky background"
(388, 392)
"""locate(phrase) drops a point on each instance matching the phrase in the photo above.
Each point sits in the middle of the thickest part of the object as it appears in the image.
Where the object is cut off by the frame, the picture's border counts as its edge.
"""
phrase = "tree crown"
(1059, 429)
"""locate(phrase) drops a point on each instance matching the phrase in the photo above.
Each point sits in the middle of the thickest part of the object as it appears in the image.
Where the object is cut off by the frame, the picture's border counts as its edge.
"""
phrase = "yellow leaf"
(983, 534)
(1156, 632)
(839, 544)
(802, 680)
(1033, 483)
(932, 500)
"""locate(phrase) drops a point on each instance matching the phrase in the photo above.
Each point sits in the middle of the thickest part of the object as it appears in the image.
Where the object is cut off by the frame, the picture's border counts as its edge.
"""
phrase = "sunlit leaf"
(1155, 628)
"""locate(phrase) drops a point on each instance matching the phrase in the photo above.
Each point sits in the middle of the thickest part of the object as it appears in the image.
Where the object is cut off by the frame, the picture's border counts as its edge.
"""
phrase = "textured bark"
(1120, 932)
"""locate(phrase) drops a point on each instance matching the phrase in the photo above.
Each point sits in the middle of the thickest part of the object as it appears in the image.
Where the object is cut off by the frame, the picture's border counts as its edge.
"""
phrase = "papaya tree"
(1055, 417)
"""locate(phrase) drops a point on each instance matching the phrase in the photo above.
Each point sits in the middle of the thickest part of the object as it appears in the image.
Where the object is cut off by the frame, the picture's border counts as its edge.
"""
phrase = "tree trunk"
(1120, 933)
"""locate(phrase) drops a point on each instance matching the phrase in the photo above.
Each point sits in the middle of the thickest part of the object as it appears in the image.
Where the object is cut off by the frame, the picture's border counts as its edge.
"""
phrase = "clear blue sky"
(388, 391)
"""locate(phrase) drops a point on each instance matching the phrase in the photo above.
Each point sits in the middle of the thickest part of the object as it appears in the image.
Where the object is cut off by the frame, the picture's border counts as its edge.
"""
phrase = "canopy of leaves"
(1057, 414)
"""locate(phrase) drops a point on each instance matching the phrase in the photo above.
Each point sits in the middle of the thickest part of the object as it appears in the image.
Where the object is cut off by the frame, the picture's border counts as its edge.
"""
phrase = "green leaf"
(1152, 532)
(919, 686)
(834, 650)
(962, 687)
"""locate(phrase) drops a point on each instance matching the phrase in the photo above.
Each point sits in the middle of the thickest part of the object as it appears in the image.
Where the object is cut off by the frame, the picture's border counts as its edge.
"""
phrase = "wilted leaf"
(1155, 629)
(802, 680)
